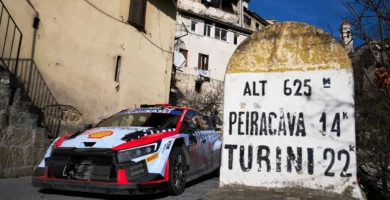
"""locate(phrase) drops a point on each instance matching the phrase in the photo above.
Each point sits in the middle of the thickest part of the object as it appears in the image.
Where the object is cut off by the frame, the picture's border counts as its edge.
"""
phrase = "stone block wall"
(21, 150)
(22, 142)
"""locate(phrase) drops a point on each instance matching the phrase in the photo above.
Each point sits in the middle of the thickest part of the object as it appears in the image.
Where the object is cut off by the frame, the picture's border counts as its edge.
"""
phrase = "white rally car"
(145, 150)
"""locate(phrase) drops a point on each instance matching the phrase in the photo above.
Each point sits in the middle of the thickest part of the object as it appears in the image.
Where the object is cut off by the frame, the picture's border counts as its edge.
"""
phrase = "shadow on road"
(133, 197)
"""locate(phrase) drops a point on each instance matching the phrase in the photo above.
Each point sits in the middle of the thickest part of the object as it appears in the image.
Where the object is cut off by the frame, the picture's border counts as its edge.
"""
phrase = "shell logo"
(152, 157)
(100, 134)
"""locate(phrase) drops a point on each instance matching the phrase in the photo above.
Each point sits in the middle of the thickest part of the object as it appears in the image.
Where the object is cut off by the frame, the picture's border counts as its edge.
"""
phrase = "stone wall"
(22, 142)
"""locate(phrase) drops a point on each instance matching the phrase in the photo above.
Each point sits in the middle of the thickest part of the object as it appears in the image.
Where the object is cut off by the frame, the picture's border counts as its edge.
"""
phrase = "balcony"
(197, 8)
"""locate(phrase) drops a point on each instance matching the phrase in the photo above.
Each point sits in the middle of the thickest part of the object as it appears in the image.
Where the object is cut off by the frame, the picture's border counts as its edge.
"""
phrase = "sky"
(320, 13)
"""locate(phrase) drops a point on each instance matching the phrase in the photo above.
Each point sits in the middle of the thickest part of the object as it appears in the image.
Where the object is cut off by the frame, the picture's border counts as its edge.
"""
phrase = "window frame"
(185, 54)
(199, 61)
(247, 20)
(193, 23)
(209, 26)
(220, 34)
(138, 23)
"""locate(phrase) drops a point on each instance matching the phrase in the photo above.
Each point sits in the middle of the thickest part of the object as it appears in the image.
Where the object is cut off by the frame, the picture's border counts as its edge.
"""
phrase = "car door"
(206, 141)
(194, 140)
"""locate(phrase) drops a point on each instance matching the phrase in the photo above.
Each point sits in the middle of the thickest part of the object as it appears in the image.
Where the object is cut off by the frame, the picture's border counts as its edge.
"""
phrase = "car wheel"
(177, 171)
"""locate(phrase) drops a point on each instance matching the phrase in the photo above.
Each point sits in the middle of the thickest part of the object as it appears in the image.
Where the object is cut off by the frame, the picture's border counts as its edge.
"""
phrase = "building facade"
(95, 55)
(207, 34)
(346, 36)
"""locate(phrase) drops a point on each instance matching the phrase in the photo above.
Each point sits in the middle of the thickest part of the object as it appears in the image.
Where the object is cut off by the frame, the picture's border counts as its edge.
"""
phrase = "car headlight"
(129, 154)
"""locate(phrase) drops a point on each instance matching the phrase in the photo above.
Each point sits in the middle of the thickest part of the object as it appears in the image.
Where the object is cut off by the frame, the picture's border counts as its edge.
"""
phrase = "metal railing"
(26, 73)
(10, 38)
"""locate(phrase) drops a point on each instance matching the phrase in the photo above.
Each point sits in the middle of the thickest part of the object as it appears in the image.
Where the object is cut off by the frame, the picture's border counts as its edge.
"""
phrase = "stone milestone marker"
(289, 112)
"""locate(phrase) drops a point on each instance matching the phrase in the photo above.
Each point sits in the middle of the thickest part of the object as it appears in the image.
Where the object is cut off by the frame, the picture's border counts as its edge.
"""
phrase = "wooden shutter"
(137, 13)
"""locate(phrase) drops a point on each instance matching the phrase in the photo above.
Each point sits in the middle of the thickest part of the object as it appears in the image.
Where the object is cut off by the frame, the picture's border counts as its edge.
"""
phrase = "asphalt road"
(21, 189)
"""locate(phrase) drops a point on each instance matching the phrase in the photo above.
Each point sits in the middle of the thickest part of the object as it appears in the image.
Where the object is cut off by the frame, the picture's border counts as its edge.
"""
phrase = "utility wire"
(116, 19)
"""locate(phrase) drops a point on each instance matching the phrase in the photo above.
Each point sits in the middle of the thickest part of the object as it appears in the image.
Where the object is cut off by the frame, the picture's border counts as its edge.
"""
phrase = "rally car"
(143, 150)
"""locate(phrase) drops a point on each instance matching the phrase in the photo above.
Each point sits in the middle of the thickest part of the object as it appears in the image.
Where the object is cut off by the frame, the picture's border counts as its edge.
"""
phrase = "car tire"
(177, 171)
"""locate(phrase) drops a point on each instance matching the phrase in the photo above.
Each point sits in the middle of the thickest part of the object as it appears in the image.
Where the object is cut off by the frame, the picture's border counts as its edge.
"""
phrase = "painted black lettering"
(263, 87)
(298, 91)
(291, 123)
(287, 90)
(263, 124)
(265, 158)
(345, 115)
(308, 92)
(345, 168)
(242, 153)
(247, 123)
(323, 121)
(282, 124)
(295, 160)
(351, 148)
(271, 131)
(278, 159)
(240, 122)
(331, 151)
(247, 89)
(254, 119)
(254, 89)
(336, 124)
(310, 161)
(231, 148)
(232, 120)
(301, 126)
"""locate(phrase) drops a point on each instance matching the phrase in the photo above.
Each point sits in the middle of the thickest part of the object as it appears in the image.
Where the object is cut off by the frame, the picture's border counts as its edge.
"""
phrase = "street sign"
(289, 112)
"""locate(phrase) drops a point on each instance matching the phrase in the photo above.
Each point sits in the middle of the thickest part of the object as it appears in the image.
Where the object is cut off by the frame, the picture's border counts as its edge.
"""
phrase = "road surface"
(21, 189)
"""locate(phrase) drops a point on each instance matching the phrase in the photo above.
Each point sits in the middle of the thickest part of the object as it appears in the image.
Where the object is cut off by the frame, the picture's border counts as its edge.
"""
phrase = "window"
(220, 34)
(247, 20)
(203, 62)
(348, 34)
(193, 25)
(189, 117)
(155, 120)
(235, 39)
(207, 30)
(213, 3)
(185, 54)
(137, 13)
(257, 26)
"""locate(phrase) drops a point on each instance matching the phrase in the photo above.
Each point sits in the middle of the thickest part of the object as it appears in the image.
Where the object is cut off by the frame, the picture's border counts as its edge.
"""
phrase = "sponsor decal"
(165, 111)
(152, 157)
(169, 145)
(100, 134)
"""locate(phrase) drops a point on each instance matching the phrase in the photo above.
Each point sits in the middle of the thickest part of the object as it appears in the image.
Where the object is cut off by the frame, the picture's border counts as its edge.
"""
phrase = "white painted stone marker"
(289, 112)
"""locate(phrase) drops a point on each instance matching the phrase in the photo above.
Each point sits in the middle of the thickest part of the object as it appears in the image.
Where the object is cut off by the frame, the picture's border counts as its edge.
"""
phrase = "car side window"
(204, 122)
(192, 116)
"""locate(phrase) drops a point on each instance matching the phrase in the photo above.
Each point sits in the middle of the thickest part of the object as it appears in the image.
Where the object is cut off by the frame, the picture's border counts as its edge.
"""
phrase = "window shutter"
(199, 60)
(137, 13)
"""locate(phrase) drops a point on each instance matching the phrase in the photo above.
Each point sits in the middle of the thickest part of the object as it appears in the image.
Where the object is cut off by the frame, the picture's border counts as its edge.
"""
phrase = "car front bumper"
(97, 187)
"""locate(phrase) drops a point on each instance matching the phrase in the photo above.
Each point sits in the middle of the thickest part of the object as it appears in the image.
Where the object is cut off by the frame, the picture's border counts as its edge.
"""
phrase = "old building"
(95, 56)
(346, 36)
(207, 34)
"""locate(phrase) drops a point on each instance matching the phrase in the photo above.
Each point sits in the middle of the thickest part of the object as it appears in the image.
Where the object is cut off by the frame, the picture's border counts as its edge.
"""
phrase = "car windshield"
(155, 120)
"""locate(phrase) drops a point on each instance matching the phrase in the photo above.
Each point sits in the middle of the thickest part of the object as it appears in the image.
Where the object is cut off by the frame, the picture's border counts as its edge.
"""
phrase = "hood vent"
(89, 144)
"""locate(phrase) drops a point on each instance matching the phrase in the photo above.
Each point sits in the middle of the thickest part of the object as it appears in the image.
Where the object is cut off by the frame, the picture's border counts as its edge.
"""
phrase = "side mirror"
(87, 126)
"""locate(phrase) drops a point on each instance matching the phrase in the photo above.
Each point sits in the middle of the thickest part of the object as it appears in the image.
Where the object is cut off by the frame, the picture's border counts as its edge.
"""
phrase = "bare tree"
(369, 21)
(209, 101)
